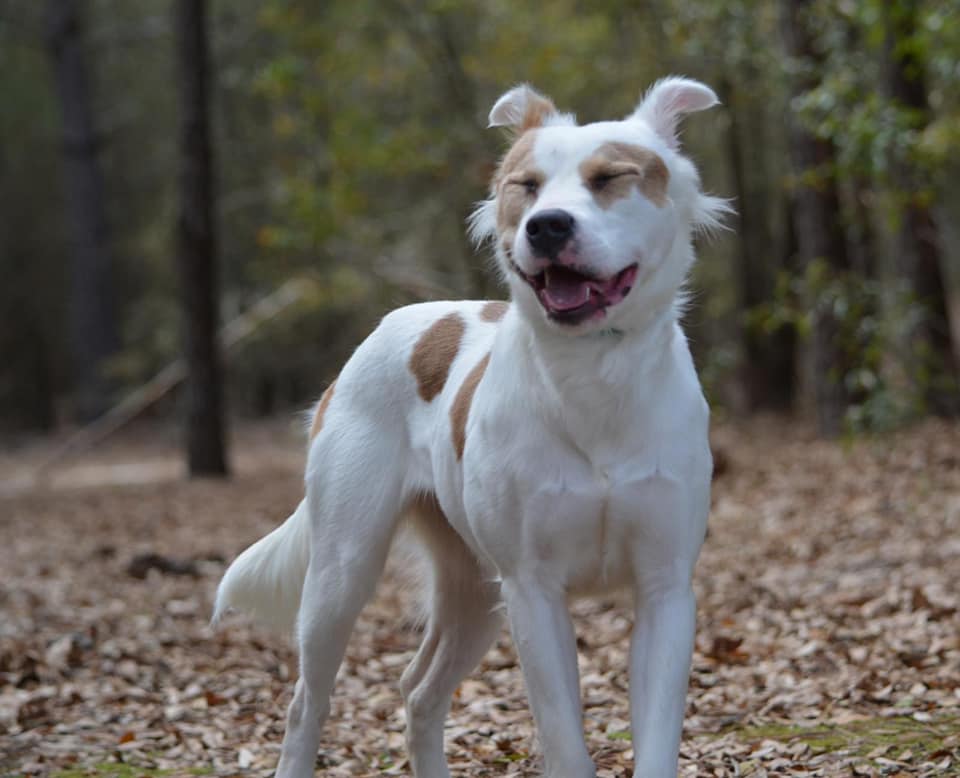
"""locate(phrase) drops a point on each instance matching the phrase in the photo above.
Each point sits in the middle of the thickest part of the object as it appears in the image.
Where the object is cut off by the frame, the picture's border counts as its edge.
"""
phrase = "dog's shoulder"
(421, 346)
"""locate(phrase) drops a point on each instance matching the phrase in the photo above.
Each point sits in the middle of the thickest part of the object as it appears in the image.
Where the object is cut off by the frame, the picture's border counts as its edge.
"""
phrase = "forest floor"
(828, 640)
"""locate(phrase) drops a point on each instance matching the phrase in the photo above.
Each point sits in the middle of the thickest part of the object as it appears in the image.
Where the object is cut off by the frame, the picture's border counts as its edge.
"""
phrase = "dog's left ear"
(668, 100)
(522, 108)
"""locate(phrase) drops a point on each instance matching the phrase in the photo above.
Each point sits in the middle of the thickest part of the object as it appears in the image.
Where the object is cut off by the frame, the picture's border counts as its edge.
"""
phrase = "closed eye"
(531, 185)
(600, 180)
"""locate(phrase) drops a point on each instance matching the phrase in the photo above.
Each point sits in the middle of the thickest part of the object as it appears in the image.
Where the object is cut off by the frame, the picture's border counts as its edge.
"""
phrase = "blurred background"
(309, 166)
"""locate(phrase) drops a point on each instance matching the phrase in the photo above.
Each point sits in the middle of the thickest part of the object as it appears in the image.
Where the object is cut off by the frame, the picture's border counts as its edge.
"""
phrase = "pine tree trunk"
(94, 333)
(197, 246)
(816, 219)
(929, 344)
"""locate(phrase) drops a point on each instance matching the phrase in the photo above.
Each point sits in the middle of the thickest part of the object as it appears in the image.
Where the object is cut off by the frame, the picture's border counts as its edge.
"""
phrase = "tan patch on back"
(513, 198)
(434, 353)
(318, 414)
(614, 169)
(494, 310)
(460, 410)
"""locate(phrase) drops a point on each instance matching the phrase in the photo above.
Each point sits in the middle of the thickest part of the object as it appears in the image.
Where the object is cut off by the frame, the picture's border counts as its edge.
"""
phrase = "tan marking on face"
(494, 310)
(434, 352)
(614, 169)
(513, 197)
(460, 410)
(318, 414)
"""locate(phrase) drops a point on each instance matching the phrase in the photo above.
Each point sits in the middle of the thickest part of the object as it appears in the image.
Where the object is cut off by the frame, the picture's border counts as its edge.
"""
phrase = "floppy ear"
(522, 108)
(668, 100)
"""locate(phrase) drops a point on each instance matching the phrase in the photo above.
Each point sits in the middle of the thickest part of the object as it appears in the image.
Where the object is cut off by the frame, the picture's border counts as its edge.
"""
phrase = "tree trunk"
(816, 214)
(862, 241)
(197, 245)
(94, 332)
(766, 373)
(932, 363)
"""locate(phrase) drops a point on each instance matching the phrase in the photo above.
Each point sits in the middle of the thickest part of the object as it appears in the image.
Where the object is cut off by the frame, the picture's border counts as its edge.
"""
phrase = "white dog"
(547, 447)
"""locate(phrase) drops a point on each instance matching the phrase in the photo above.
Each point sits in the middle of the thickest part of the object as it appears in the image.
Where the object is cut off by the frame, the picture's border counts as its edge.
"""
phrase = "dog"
(544, 448)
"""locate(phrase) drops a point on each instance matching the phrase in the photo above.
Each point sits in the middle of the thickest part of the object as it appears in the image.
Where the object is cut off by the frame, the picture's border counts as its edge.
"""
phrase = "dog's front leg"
(661, 648)
(664, 624)
(543, 634)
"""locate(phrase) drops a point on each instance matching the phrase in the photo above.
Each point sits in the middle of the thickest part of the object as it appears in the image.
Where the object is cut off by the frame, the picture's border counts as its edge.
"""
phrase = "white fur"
(267, 578)
(586, 467)
(668, 101)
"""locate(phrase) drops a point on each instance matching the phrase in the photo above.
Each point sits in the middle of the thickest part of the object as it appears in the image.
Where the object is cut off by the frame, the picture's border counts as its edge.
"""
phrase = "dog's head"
(593, 224)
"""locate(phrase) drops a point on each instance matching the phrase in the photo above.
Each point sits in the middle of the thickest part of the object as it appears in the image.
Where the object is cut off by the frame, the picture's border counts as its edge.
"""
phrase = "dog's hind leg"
(462, 623)
(354, 498)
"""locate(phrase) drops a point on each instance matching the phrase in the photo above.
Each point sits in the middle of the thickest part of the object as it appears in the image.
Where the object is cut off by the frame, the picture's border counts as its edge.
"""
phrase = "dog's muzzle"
(575, 295)
(569, 292)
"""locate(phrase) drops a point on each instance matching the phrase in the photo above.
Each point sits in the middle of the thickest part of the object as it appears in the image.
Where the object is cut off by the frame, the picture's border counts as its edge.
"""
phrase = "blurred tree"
(351, 145)
(819, 231)
(932, 359)
(379, 111)
(197, 245)
(93, 320)
(33, 296)
(767, 364)
(727, 44)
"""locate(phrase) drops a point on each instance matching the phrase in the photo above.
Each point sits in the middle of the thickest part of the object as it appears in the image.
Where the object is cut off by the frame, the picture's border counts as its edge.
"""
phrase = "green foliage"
(374, 101)
(351, 145)
(885, 383)
(849, 105)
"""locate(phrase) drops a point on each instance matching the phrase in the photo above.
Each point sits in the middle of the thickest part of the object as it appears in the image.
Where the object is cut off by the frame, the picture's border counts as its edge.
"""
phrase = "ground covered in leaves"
(828, 638)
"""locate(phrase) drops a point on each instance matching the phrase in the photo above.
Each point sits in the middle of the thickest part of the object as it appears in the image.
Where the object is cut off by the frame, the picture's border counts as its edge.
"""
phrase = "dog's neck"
(603, 369)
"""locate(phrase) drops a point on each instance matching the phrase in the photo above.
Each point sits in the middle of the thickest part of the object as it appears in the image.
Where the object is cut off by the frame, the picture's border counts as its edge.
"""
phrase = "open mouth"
(571, 296)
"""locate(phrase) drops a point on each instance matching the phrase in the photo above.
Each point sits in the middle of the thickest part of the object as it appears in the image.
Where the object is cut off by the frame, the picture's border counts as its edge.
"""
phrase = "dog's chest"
(605, 513)
(559, 514)
(579, 535)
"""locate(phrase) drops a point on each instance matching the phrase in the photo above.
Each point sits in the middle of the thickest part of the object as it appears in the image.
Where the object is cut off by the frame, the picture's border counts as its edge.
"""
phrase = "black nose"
(548, 231)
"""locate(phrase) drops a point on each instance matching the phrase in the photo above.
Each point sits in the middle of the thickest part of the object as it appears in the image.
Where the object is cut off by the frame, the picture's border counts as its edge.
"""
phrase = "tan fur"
(512, 197)
(434, 352)
(460, 410)
(325, 399)
(431, 525)
(538, 108)
(613, 158)
(494, 310)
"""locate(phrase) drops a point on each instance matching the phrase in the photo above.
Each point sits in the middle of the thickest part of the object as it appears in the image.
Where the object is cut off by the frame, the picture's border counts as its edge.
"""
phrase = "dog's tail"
(266, 580)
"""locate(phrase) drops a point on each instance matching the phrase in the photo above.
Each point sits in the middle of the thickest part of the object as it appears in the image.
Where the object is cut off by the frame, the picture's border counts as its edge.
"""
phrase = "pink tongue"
(565, 290)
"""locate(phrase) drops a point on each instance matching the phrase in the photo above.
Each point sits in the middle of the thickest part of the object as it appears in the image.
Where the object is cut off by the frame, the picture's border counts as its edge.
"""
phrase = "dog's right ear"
(522, 109)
